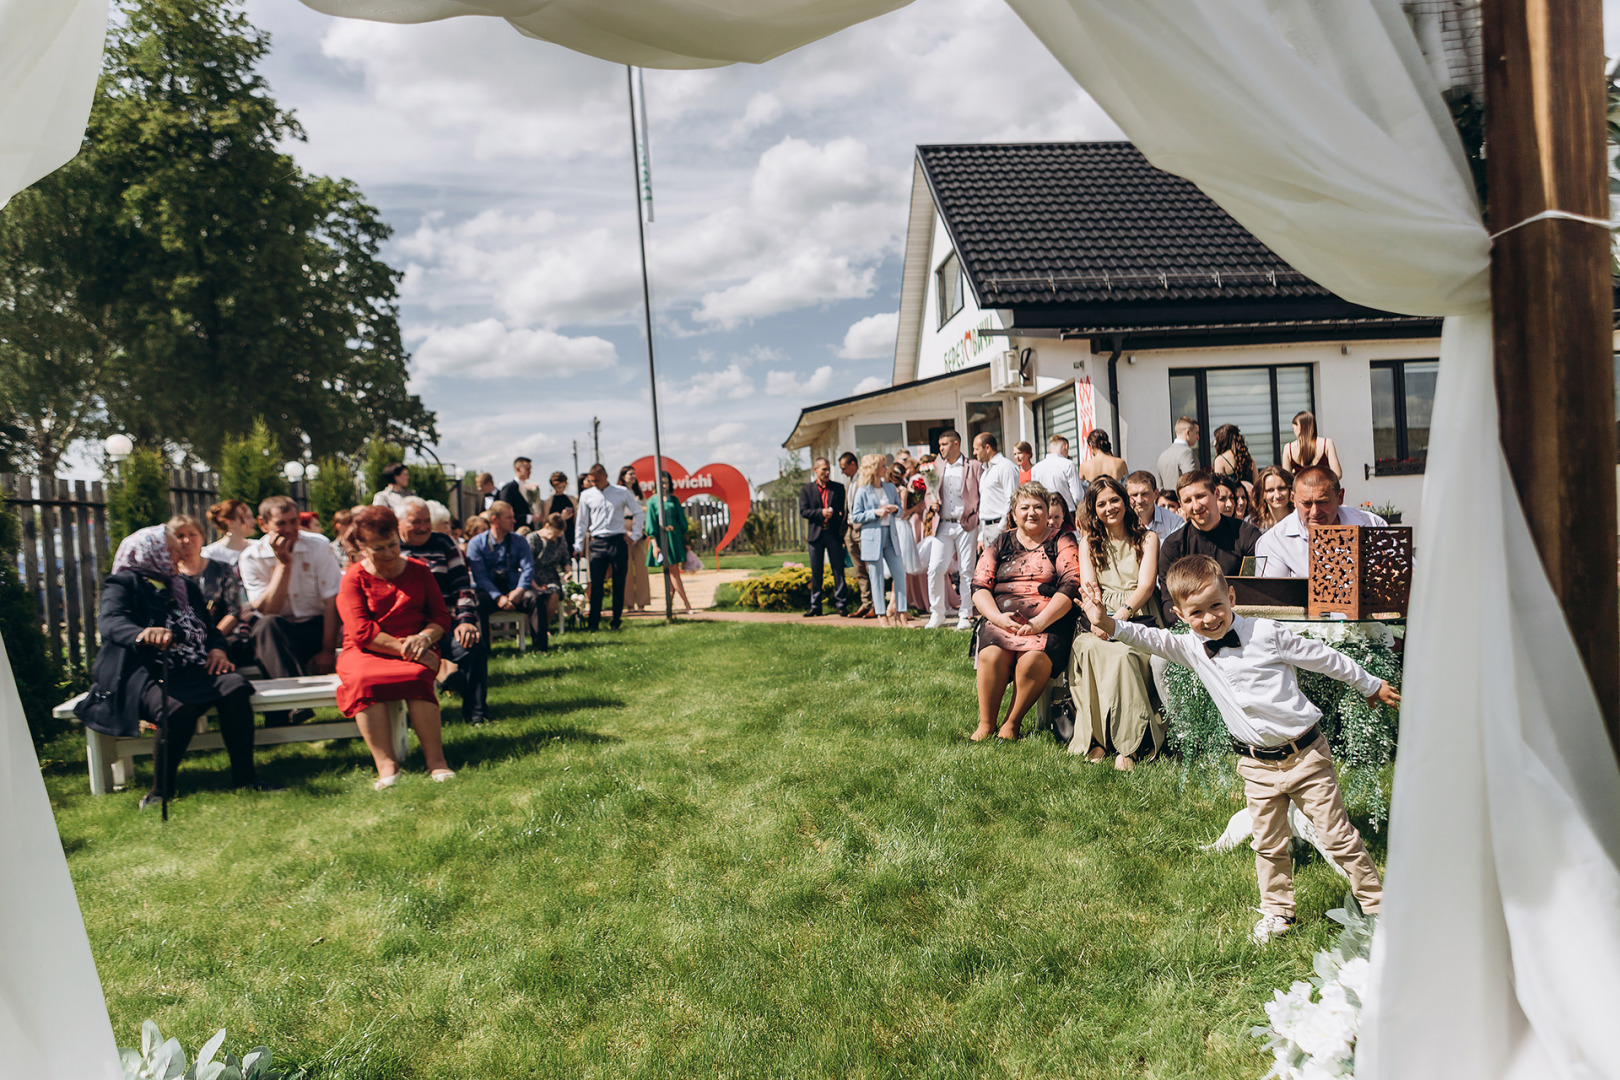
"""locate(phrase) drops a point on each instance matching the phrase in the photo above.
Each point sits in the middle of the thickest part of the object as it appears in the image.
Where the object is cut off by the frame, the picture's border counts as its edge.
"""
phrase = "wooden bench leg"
(399, 723)
(99, 753)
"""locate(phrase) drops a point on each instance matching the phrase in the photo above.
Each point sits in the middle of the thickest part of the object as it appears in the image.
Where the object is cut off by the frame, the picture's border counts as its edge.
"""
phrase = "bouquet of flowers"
(1316, 1039)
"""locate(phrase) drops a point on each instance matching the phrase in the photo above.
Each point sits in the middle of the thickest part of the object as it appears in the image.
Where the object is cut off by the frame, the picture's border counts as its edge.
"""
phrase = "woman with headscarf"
(162, 664)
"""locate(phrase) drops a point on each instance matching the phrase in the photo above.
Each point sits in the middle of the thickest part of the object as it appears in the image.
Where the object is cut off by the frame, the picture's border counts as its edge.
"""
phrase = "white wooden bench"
(112, 759)
(514, 622)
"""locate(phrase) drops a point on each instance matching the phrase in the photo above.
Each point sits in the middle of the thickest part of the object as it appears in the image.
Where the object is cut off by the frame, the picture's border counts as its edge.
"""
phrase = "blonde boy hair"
(1192, 574)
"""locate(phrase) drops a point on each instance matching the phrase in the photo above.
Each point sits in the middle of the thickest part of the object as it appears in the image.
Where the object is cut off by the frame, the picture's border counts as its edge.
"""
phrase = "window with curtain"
(1055, 415)
(1402, 403)
(952, 287)
(1261, 401)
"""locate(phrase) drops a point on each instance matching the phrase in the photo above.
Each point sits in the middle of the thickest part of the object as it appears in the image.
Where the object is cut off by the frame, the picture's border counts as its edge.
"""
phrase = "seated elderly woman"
(227, 607)
(1024, 591)
(162, 663)
(393, 620)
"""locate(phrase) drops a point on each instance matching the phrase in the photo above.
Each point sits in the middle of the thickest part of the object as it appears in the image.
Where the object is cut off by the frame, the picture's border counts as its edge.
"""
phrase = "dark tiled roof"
(1044, 225)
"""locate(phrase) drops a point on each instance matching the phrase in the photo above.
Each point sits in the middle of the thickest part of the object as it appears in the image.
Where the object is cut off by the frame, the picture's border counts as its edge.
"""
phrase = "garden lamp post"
(118, 448)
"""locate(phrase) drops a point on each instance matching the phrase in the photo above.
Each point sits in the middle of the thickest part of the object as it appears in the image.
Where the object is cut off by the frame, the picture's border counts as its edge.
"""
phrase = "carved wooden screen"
(1360, 570)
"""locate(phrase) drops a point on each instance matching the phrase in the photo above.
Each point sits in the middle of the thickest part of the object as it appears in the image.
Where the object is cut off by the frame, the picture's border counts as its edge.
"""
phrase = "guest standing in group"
(666, 526)
(1309, 448)
(161, 662)
(1024, 458)
(1232, 457)
(1101, 461)
(485, 485)
(1318, 500)
(520, 494)
(562, 503)
(339, 543)
(396, 487)
(849, 467)
(225, 607)
(1056, 473)
(1276, 496)
(919, 512)
(233, 519)
(997, 483)
(826, 516)
(957, 530)
(876, 503)
(291, 578)
(502, 566)
(552, 553)
(393, 621)
(466, 650)
(1108, 680)
(1180, 457)
(637, 586)
(1024, 589)
(610, 520)
(1142, 487)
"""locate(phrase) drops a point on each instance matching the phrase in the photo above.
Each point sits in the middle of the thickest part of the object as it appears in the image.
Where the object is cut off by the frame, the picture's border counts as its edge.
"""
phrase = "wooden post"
(1550, 288)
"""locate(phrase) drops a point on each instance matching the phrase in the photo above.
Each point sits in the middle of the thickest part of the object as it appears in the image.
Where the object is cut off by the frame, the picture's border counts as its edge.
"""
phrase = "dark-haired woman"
(393, 620)
(1108, 680)
(666, 525)
(1232, 457)
(161, 663)
(1101, 461)
(562, 503)
(1226, 491)
(396, 487)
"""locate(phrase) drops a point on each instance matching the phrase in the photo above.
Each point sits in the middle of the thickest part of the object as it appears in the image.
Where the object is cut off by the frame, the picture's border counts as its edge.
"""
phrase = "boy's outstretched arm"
(1385, 695)
(1314, 655)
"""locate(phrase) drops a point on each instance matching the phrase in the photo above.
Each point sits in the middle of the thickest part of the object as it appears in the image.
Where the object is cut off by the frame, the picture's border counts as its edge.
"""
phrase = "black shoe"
(151, 798)
(813, 613)
(300, 716)
(615, 626)
(261, 785)
(843, 612)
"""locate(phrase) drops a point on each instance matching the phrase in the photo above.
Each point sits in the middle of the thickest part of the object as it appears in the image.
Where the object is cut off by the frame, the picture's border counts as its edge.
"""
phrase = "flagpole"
(652, 368)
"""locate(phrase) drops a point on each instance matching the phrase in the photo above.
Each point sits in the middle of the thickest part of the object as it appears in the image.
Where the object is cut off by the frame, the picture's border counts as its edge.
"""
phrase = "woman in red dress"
(1024, 591)
(393, 619)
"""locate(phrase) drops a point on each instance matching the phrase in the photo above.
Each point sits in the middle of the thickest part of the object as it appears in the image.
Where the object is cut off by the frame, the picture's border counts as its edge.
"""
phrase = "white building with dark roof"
(1050, 288)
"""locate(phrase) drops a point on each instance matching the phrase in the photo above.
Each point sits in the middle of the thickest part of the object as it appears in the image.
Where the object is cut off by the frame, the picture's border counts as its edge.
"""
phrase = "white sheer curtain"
(1316, 123)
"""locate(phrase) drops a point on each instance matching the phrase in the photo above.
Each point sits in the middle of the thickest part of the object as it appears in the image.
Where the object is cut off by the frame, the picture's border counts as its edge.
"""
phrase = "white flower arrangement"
(1335, 631)
(1314, 1024)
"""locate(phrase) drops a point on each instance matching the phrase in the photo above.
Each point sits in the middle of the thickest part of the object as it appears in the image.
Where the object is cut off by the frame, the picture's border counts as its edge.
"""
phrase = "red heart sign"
(720, 481)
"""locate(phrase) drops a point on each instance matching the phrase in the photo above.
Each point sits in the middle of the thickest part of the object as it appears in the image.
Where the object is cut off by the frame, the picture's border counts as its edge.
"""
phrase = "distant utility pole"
(596, 440)
(576, 461)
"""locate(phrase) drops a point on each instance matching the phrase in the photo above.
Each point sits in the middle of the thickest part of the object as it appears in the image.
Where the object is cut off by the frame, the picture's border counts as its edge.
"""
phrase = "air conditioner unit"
(1013, 372)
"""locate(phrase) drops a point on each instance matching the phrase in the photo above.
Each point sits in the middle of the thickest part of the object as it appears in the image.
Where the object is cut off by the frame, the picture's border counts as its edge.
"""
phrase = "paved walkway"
(700, 589)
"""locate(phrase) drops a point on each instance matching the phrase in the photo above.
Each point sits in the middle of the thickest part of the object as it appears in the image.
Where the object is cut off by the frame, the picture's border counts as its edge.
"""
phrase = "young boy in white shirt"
(1247, 665)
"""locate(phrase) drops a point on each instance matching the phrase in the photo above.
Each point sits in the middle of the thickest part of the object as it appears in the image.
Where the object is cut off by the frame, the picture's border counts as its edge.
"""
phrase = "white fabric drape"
(50, 54)
(53, 1019)
(1317, 124)
(646, 33)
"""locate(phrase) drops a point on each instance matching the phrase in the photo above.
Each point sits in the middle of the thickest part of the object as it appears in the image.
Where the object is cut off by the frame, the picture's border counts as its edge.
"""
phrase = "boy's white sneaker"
(935, 622)
(1268, 927)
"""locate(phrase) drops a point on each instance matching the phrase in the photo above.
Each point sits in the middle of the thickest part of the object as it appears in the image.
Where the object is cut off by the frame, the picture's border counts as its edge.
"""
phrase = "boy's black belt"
(1277, 753)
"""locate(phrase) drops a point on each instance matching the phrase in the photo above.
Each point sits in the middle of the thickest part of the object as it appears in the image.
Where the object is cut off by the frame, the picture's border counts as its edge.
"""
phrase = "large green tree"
(221, 281)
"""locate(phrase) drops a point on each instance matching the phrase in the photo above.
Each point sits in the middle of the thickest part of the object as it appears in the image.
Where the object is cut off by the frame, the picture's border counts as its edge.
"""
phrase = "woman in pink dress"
(1024, 591)
(393, 620)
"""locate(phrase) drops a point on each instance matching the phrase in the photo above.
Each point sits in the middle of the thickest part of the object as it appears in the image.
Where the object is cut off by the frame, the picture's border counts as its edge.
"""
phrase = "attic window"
(952, 286)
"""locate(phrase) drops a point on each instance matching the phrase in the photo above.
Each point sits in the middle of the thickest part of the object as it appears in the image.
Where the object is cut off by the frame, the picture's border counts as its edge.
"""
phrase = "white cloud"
(868, 384)
(727, 432)
(809, 277)
(784, 383)
(707, 387)
(871, 338)
(489, 350)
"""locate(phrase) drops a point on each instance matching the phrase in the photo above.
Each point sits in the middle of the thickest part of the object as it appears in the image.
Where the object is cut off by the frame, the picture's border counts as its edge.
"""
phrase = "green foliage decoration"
(139, 494)
(24, 637)
(250, 467)
(1363, 737)
(164, 1059)
(787, 589)
(759, 530)
(334, 488)
(430, 483)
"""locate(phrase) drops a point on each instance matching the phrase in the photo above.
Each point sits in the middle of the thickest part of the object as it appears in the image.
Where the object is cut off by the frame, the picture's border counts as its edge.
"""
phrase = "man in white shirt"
(1056, 472)
(1318, 500)
(603, 539)
(291, 579)
(996, 486)
(1143, 490)
(1179, 457)
(957, 530)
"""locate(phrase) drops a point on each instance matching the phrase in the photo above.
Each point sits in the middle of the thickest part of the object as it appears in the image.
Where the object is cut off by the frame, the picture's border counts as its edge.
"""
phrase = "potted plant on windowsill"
(1387, 511)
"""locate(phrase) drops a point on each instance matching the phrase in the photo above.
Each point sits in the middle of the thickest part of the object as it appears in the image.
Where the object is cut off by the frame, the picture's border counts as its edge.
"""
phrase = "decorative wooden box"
(1360, 570)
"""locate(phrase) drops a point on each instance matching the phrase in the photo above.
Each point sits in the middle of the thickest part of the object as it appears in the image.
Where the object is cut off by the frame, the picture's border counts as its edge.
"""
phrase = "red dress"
(370, 605)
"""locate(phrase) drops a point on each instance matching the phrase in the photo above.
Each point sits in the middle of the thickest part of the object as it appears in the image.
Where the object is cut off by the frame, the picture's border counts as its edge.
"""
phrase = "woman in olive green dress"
(1108, 680)
(666, 522)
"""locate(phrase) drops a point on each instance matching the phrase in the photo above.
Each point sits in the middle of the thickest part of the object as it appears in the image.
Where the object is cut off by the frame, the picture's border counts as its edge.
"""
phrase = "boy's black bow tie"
(1230, 641)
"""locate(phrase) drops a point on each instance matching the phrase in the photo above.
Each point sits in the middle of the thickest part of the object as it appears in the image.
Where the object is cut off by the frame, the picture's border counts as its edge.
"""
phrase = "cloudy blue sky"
(781, 191)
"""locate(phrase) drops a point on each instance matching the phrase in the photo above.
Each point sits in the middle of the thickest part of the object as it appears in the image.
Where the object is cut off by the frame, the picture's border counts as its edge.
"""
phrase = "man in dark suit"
(821, 504)
(512, 492)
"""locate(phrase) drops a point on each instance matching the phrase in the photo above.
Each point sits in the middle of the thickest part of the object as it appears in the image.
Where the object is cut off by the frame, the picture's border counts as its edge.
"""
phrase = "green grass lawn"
(704, 850)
